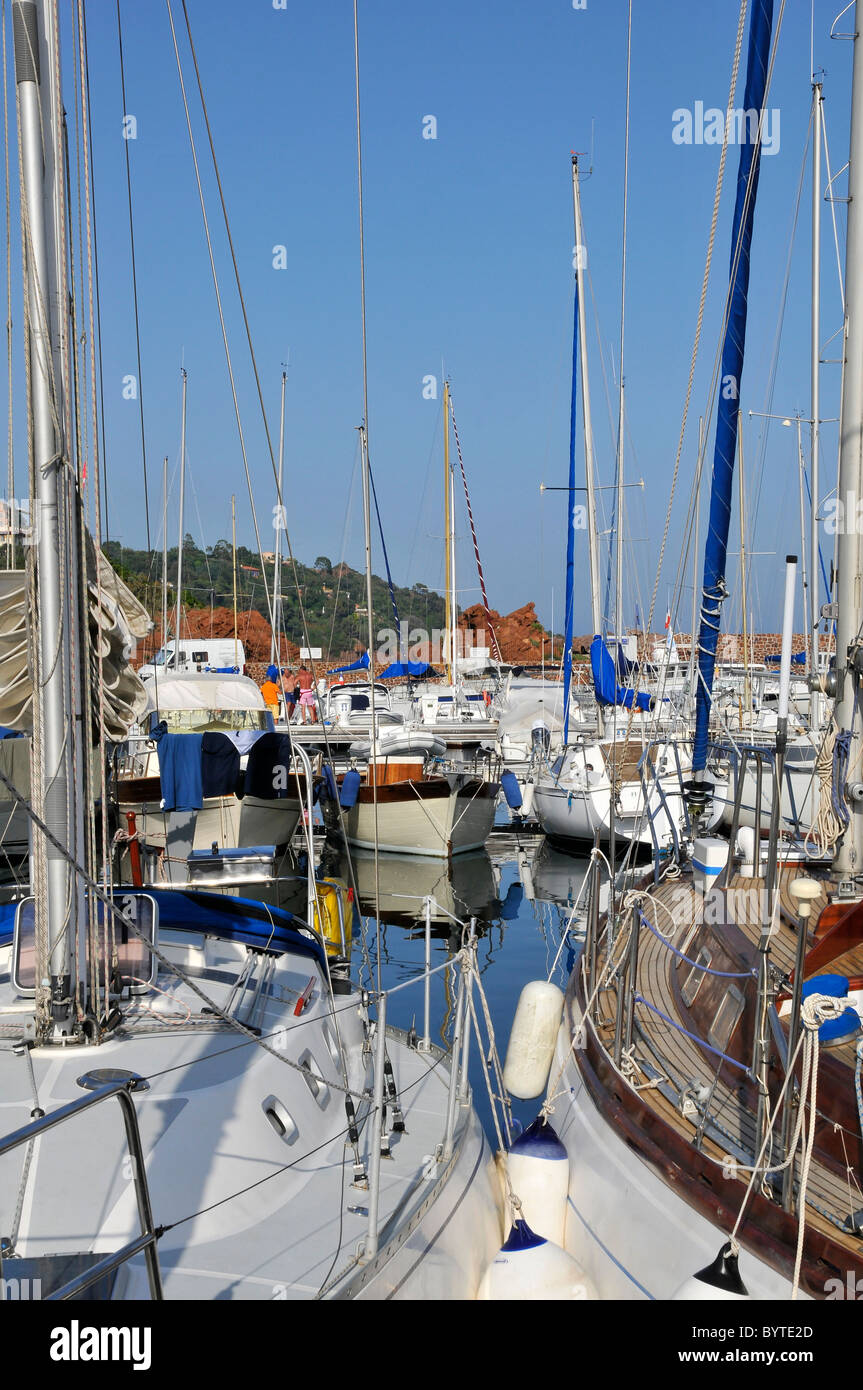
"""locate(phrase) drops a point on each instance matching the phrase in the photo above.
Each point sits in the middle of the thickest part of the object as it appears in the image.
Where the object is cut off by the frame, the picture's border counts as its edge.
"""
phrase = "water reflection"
(550, 875)
(521, 895)
(466, 886)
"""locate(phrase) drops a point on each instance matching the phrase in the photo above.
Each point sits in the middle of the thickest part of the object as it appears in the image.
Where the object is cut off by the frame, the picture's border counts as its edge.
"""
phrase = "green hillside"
(334, 598)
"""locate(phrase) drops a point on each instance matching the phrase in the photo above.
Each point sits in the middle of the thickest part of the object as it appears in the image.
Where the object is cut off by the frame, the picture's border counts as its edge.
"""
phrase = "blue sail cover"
(404, 668)
(799, 658)
(362, 664)
(570, 530)
(608, 692)
(716, 548)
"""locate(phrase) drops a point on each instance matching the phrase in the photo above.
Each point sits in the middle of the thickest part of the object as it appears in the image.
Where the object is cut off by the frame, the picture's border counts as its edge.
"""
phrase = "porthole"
(311, 1075)
(281, 1121)
(692, 983)
(332, 1043)
(725, 1019)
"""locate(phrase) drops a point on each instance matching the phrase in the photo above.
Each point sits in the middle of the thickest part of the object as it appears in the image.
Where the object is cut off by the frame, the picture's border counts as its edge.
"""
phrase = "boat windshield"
(163, 656)
(198, 721)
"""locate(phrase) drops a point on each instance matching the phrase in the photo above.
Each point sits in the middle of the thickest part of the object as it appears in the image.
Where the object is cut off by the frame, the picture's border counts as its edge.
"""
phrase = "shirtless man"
(288, 691)
(307, 695)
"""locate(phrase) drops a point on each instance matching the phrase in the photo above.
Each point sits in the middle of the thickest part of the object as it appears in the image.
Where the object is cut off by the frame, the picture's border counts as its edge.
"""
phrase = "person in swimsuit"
(289, 693)
(307, 695)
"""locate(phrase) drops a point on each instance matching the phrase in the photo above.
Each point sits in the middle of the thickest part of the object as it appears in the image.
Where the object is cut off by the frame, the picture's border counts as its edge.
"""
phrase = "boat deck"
(688, 1086)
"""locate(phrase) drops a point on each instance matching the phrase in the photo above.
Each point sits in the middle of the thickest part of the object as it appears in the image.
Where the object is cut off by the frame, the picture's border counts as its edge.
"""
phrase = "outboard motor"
(540, 737)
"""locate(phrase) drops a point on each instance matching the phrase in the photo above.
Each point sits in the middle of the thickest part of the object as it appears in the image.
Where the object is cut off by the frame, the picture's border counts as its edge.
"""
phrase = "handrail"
(458, 1092)
(148, 1237)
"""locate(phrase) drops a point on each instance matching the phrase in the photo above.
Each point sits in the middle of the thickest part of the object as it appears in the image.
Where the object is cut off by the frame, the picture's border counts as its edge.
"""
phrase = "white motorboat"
(214, 773)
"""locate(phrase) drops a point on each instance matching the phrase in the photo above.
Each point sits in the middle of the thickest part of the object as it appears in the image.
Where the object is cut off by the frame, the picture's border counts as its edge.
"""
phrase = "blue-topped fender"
(511, 790)
(521, 1237)
(539, 1140)
(328, 788)
(350, 789)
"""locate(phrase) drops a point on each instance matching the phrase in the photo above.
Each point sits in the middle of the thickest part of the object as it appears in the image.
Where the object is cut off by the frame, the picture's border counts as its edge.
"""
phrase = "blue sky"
(468, 256)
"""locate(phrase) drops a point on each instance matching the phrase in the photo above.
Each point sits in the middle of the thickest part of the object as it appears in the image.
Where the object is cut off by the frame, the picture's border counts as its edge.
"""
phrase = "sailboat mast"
(592, 536)
(815, 395)
(747, 685)
(452, 584)
(447, 522)
(849, 857)
(60, 907)
(618, 598)
(182, 521)
(164, 554)
(277, 572)
(694, 618)
(234, 573)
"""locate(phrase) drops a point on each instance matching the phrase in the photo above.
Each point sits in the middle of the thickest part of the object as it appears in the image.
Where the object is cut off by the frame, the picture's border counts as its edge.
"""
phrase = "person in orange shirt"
(270, 690)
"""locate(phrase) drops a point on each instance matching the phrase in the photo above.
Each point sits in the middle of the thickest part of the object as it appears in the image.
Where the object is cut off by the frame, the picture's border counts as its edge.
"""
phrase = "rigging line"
(348, 511)
(104, 459)
(395, 606)
(219, 305)
(774, 365)
(473, 533)
(365, 477)
(241, 297)
(705, 281)
(421, 504)
(285, 1167)
(297, 586)
(741, 22)
(10, 549)
(134, 279)
(832, 202)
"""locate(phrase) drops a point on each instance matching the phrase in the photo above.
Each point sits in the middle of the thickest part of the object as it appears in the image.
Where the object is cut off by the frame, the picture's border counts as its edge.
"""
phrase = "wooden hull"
(436, 816)
(654, 1188)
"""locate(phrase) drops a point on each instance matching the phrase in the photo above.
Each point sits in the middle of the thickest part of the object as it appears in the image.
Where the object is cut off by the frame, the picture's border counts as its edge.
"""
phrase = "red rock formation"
(520, 635)
(253, 631)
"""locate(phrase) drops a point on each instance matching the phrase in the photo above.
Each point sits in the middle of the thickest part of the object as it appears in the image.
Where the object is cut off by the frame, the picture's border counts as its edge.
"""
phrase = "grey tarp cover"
(117, 621)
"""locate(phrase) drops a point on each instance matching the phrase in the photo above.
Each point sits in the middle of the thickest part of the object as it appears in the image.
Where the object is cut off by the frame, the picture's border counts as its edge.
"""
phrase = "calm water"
(521, 892)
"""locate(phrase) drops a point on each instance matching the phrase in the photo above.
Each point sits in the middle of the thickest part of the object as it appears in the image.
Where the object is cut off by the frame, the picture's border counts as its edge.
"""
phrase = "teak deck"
(665, 1065)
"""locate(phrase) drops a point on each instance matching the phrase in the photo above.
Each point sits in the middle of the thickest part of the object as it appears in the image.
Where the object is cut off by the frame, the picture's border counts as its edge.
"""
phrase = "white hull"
(440, 827)
(633, 1234)
(251, 1210)
(222, 820)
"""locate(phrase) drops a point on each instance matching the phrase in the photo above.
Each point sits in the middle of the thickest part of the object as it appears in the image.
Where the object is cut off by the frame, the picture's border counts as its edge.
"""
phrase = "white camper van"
(191, 655)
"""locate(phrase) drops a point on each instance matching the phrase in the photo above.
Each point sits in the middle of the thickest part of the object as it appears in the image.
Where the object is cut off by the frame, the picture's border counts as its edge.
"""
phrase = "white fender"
(532, 1040)
(538, 1168)
(529, 1268)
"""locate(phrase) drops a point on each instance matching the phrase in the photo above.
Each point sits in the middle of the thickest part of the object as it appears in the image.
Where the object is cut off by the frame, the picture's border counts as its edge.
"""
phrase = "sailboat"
(706, 1082)
(624, 777)
(276, 1138)
(403, 802)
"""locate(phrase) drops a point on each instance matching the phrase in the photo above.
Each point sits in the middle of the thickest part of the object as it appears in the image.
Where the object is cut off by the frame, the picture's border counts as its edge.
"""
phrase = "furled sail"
(714, 589)
(116, 621)
(605, 685)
